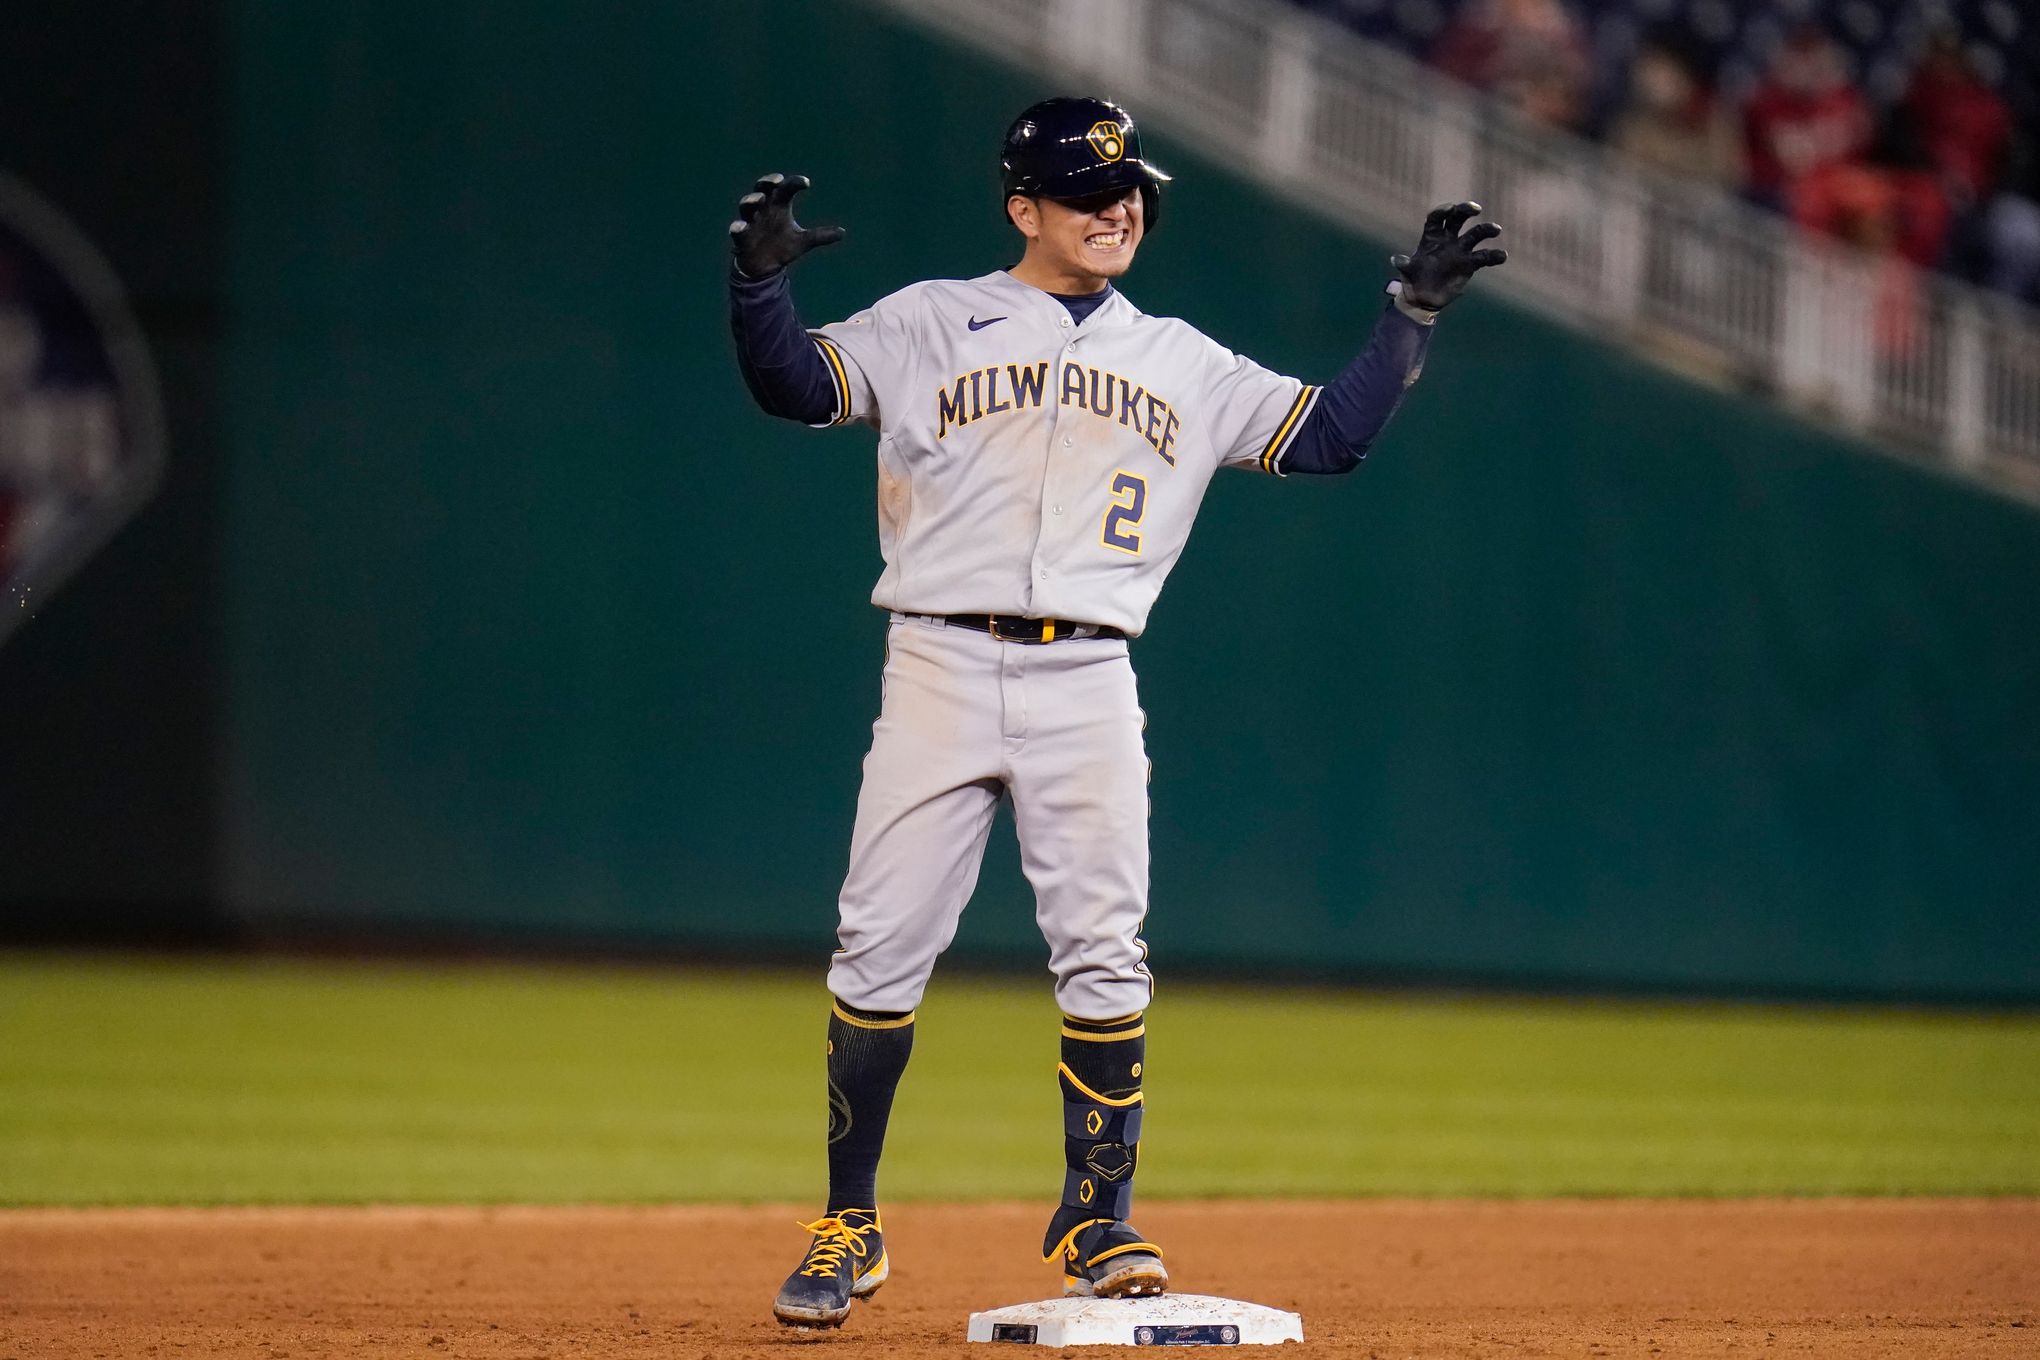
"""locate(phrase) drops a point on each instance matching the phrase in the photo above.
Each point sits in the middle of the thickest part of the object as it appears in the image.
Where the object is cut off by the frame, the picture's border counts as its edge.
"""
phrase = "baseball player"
(1043, 446)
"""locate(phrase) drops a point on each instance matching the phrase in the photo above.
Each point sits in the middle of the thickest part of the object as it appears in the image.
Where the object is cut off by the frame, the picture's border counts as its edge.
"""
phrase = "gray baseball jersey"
(1031, 465)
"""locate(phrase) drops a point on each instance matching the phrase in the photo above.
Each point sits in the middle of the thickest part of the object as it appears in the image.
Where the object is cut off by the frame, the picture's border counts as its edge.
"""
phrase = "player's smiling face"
(1078, 246)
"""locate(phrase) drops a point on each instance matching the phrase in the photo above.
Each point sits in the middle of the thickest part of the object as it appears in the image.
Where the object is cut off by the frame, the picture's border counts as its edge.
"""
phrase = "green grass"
(173, 1081)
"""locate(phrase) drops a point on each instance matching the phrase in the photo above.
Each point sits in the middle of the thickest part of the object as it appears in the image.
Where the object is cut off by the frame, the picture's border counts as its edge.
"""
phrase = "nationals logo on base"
(81, 425)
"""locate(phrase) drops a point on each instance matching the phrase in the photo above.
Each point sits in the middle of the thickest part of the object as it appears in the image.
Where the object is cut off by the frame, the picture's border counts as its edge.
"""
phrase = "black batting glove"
(1444, 260)
(765, 239)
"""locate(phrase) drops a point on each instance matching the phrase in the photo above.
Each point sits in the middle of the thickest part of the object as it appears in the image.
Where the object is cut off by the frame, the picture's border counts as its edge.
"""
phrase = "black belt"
(1014, 628)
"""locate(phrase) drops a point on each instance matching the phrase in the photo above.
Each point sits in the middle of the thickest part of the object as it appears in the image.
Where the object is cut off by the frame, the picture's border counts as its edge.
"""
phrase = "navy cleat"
(845, 1261)
(1109, 1260)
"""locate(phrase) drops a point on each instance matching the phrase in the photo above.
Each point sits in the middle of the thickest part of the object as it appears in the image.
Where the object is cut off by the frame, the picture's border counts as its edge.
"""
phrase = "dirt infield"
(1377, 1279)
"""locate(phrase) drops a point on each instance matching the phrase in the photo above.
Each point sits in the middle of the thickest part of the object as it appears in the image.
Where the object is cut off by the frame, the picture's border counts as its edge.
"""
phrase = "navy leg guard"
(1101, 1148)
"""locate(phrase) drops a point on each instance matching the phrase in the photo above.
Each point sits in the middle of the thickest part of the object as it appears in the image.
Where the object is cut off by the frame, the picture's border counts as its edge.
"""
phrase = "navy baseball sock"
(1106, 1055)
(867, 1053)
(1100, 1078)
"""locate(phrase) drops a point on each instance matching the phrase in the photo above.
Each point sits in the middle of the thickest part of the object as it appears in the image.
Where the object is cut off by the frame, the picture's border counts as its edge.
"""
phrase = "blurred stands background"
(1899, 124)
(479, 606)
(1778, 241)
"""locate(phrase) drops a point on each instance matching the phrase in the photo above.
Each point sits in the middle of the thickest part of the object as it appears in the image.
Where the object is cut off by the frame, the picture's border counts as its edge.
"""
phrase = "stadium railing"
(1934, 368)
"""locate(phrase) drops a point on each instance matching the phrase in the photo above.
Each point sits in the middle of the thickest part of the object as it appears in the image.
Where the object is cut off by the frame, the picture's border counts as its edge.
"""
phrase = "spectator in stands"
(1856, 202)
(1670, 120)
(2002, 240)
(1891, 200)
(1803, 117)
(1531, 53)
(1883, 206)
(1965, 129)
(1964, 124)
(1889, 203)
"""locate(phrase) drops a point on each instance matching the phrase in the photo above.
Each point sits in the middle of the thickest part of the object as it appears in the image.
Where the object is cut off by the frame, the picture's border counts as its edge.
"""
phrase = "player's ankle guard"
(1101, 1147)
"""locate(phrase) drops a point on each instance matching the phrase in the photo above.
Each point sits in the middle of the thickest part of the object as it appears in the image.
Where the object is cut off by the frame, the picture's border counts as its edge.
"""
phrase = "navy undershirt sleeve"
(1355, 406)
(786, 373)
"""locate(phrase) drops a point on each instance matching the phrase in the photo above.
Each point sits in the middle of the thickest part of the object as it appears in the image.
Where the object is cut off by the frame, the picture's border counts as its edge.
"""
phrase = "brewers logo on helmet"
(1107, 139)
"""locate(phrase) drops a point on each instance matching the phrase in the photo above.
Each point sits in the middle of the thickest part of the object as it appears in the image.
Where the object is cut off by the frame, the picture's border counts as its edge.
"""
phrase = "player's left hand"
(765, 238)
(1445, 259)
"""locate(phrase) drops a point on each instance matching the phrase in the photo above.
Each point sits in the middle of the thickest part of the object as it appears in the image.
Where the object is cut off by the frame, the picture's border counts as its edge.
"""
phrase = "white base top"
(1169, 1320)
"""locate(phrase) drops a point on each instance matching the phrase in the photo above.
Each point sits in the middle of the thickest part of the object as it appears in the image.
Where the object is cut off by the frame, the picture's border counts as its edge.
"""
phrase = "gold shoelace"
(834, 1239)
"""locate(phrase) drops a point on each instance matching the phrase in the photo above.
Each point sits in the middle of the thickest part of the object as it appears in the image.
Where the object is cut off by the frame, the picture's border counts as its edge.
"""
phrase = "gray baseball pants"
(965, 718)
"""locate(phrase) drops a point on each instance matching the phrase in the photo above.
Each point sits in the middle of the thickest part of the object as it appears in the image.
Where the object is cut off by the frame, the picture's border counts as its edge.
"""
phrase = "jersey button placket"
(1059, 480)
(1057, 484)
(1043, 543)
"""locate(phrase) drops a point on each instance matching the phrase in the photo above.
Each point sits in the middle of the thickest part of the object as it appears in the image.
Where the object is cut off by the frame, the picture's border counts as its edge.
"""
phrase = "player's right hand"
(765, 239)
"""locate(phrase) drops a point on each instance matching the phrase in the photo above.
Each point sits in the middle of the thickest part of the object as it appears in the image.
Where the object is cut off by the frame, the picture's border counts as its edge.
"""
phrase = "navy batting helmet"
(1071, 149)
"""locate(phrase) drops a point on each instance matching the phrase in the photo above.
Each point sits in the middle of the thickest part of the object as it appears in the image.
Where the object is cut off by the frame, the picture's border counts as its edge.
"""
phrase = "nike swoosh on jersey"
(978, 325)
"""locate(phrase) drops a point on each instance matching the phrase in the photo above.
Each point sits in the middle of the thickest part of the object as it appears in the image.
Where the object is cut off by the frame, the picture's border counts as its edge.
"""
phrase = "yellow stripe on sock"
(861, 1023)
(1114, 1037)
(1104, 1031)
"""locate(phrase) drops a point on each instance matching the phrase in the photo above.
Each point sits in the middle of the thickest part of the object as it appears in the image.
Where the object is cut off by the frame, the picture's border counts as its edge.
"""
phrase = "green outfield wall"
(532, 624)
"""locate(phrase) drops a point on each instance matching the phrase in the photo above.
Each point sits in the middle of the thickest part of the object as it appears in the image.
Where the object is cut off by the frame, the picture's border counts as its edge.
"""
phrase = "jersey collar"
(1114, 311)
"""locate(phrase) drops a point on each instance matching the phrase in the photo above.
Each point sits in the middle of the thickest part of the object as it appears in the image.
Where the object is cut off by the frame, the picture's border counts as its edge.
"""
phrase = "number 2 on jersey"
(1124, 516)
